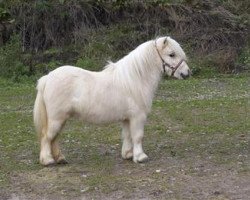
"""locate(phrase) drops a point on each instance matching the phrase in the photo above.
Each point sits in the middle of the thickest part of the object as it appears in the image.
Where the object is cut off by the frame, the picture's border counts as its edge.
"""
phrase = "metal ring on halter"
(164, 63)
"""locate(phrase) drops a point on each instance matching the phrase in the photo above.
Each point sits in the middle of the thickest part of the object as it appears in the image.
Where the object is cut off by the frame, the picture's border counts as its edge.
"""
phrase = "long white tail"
(39, 112)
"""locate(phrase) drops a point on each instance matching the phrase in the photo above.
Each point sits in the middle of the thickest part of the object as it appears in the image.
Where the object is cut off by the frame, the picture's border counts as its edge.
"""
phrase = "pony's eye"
(172, 55)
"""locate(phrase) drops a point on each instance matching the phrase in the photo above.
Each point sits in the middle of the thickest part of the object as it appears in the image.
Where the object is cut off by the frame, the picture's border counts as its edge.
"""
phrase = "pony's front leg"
(137, 132)
(127, 145)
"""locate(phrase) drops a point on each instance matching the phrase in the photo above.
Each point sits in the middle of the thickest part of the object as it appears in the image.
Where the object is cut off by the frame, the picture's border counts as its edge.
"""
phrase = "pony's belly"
(97, 118)
(100, 113)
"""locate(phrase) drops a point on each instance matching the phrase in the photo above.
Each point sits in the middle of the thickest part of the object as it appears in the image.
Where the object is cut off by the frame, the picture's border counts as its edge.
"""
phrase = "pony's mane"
(138, 67)
(136, 59)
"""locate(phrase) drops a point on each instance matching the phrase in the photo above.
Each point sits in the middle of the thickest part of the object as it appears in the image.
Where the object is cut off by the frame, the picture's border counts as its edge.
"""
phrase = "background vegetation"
(38, 36)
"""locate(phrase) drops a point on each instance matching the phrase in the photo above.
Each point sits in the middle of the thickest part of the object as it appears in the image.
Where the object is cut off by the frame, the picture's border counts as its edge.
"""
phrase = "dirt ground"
(168, 178)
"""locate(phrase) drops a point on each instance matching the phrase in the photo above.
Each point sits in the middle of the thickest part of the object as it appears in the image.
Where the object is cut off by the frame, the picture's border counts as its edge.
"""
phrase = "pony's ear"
(165, 42)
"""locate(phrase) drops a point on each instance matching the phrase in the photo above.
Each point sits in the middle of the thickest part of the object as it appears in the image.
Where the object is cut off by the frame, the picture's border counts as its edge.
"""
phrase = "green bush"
(243, 60)
(88, 64)
(11, 65)
(244, 57)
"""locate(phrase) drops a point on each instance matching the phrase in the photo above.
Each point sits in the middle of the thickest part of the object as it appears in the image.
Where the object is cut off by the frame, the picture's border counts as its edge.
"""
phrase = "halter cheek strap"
(176, 67)
(164, 63)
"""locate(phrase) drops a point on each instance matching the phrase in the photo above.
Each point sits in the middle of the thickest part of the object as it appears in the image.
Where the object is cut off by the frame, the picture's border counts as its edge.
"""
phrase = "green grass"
(212, 113)
(205, 120)
(17, 136)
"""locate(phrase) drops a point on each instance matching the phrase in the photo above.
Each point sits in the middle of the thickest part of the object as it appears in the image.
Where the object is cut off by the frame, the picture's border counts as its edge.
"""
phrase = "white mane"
(137, 72)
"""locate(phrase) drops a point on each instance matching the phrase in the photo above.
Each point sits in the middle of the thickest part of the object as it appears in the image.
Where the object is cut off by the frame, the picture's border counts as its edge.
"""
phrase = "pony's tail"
(39, 112)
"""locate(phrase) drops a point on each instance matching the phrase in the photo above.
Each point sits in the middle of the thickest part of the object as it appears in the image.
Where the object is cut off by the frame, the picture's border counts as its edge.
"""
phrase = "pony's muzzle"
(185, 76)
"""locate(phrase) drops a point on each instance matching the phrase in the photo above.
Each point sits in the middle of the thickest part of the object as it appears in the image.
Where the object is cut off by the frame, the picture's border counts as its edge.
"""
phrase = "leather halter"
(164, 63)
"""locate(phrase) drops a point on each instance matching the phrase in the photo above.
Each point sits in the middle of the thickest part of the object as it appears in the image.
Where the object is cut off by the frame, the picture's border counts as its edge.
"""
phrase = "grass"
(213, 114)
(193, 123)
(17, 134)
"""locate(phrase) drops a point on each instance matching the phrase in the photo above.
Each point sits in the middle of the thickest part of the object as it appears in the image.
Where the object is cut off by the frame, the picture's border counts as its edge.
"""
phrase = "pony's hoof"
(127, 155)
(62, 161)
(141, 158)
(48, 163)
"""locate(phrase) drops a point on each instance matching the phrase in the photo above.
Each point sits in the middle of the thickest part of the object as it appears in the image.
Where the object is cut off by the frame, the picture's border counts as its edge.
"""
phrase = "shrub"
(11, 65)
(88, 64)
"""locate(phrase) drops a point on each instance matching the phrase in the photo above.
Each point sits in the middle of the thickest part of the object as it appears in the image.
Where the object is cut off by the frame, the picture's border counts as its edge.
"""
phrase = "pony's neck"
(140, 73)
(142, 63)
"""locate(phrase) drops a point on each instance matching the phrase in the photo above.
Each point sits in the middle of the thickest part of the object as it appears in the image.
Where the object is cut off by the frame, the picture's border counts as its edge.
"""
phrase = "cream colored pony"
(122, 92)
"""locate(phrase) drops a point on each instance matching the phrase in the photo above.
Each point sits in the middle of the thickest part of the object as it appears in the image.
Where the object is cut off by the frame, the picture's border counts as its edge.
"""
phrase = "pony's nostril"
(184, 76)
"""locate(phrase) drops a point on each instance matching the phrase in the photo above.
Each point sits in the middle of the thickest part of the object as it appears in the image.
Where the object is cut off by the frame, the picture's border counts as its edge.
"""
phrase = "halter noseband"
(164, 63)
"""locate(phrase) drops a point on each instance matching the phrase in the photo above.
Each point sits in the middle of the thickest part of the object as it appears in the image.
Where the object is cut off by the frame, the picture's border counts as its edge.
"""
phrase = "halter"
(164, 63)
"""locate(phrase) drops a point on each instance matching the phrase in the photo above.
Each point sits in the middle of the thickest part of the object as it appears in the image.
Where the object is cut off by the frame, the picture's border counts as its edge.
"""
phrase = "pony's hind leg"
(56, 152)
(127, 145)
(46, 156)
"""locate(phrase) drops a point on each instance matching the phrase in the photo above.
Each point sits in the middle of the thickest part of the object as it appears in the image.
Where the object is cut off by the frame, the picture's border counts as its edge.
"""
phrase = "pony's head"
(173, 58)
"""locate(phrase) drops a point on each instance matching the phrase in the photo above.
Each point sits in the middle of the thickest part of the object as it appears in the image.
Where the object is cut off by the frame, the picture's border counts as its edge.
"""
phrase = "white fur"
(122, 92)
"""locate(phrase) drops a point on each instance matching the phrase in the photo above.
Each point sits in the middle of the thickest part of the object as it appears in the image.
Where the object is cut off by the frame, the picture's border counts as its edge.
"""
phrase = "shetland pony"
(122, 92)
